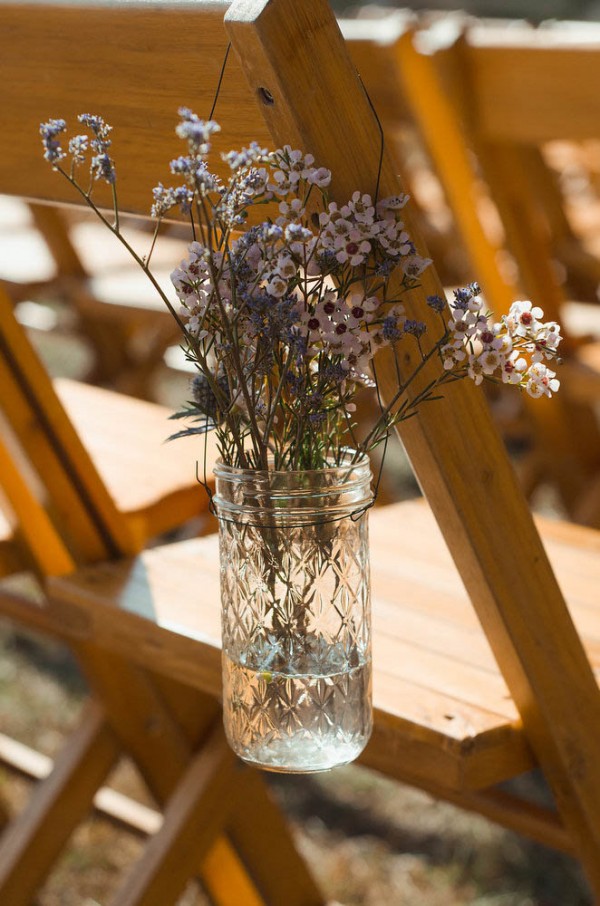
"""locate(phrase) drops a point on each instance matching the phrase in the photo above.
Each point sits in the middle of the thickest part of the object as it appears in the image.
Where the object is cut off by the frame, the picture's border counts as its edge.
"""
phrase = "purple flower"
(102, 167)
(165, 199)
(204, 395)
(295, 232)
(49, 132)
(416, 328)
(184, 165)
(390, 330)
(462, 297)
(101, 142)
(78, 147)
(246, 157)
(437, 303)
(197, 132)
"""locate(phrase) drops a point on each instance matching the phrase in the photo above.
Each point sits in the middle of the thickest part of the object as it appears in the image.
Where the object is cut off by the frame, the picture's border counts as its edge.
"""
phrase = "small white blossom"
(541, 381)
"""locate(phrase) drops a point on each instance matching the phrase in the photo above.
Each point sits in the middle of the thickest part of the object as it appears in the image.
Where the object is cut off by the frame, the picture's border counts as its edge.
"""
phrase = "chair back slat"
(42, 542)
(540, 92)
(97, 68)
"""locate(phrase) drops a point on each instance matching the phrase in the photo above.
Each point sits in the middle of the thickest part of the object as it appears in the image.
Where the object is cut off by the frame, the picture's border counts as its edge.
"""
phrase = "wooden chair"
(160, 726)
(148, 482)
(108, 302)
(373, 48)
(484, 109)
(63, 512)
(447, 717)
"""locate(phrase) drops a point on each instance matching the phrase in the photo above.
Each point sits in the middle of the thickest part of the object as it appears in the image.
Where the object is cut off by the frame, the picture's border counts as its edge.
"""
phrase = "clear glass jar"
(295, 595)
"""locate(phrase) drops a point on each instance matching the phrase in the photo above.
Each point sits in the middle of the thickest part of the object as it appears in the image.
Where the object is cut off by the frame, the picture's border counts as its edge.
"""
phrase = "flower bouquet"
(282, 317)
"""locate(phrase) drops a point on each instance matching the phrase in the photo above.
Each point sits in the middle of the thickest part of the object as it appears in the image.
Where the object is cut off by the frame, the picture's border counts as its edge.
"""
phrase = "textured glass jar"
(295, 599)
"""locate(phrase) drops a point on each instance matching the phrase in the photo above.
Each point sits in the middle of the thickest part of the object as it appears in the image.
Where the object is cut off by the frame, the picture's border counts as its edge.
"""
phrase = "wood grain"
(454, 448)
(117, 61)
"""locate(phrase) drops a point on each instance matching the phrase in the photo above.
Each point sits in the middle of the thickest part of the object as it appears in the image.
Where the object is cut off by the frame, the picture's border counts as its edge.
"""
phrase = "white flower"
(320, 177)
(361, 308)
(360, 208)
(286, 267)
(503, 343)
(276, 286)
(462, 326)
(393, 203)
(475, 369)
(546, 341)
(513, 368)
(452, 355)
(523, 318)
(351, 248)
(541, 381)
(290, 212)
(414, 265)
(490, 361)
(394, 239)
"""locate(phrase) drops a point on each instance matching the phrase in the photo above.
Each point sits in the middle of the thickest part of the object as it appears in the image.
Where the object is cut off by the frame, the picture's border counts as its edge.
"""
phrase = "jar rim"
(223, 469)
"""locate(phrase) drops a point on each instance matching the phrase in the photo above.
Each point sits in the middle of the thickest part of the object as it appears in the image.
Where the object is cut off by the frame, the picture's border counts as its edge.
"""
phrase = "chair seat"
(443, 711)
(152, 482)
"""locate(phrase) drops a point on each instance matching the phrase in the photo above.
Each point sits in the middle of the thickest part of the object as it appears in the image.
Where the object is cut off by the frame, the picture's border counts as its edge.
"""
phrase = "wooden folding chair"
(64, 511)
(73, 520)
(447, 717)
(108, 303)
(373, 49)
(484, 109)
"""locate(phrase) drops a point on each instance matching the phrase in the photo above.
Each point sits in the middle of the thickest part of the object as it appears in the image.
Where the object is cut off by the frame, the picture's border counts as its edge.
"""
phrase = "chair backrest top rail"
(139, 101)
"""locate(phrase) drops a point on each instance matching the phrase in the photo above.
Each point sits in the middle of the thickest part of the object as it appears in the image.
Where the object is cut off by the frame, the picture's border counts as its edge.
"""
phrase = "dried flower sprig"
(282, 320)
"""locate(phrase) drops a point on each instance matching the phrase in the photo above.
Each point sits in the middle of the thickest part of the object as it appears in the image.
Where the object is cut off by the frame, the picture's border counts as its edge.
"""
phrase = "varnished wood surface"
(455, 450)
(151, 480)
(538, 92)
(441, 702)
(114, 60)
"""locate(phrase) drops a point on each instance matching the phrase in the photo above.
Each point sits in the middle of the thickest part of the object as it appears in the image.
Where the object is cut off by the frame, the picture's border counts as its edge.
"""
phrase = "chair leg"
(4, 815)
(143, 722)
(183, 721)
(193, 818)
(160, 724)
(262, 837)
(228, 877)
(225, 878)
(34, 839)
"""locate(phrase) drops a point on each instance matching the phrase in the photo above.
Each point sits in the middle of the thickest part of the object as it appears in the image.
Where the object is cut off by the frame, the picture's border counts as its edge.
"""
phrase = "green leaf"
(188, 432)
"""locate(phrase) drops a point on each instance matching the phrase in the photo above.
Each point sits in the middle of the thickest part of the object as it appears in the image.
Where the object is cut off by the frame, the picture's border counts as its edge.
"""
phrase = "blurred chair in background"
(59, 514)
(51, 254)
(486, 104)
